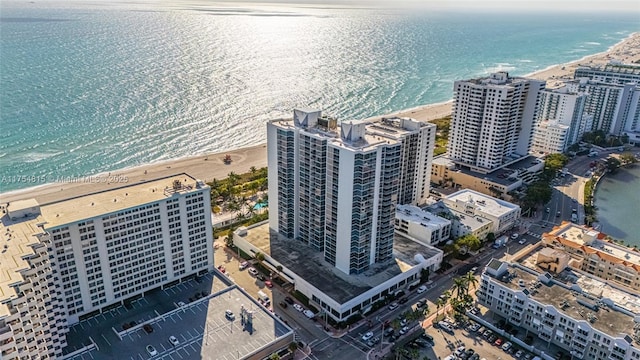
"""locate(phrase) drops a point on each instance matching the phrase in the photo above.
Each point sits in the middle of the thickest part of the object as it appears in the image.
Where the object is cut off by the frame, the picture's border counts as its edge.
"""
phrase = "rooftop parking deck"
(200, 327)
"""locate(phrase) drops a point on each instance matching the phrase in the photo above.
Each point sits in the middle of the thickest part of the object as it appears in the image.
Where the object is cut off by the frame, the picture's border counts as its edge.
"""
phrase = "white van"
(262, 296)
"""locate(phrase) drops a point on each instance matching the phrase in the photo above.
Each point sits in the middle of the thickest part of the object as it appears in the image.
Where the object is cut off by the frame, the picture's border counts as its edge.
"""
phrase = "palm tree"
(253, 171)
(440, 303)
(233, 178)
(274, 356)
(459, 287)
(471, 280)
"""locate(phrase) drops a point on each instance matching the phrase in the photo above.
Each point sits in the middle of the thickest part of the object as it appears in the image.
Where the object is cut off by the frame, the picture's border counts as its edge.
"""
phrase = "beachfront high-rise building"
(560, 120)
(614, 96)
(335, 186)
(71, 259)
(493, 120)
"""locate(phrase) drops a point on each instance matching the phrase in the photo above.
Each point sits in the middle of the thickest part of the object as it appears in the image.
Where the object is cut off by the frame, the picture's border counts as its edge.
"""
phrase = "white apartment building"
(561, 121)
(503, 215)
(614, 96)
(422, 226)
(584, 316)
(335, 187)
(550, 137)
(493, 120)
(70, 259)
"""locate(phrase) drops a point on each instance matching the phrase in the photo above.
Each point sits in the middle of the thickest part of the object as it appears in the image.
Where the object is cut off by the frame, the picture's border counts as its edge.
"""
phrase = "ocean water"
(89, 87)
(616, 200)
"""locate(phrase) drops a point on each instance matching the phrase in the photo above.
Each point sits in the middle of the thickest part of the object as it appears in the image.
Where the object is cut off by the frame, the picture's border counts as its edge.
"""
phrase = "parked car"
(506, 346)
(422, 342)
(427, 337)
(222, 269)
(492, 338)
(298, 307)
(446, 327)
(261, 277)
(421, 303)
(148, 328)
(403, 300)
(422, 289)
(388, 332)
(498, 342)
(229, 315)
(404, 330)
(283, 304)
(181, 303)
(151, 350)
(519, 354)
(268, 284)
(373, 341)
(394, 305)
(309, 314)
(253, 271)
(522, 241)
(174, 341)
(243, 265)
(403, 322)
(514, 236)
(288, 300)
(367, 336)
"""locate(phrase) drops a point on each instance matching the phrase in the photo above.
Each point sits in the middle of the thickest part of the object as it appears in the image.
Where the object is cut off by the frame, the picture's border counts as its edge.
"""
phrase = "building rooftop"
(482, 202)
(109, 201)
(201, 328)
(591, 241)
(310, 265)
(16, 239)
(570, 290)
(417, 215)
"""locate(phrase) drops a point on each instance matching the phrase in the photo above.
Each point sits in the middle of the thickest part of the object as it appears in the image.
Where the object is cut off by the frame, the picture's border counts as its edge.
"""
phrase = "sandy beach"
(210, 166)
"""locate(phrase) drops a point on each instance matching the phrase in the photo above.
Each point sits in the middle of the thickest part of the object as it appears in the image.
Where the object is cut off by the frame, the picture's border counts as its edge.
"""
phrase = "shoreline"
(208, 166)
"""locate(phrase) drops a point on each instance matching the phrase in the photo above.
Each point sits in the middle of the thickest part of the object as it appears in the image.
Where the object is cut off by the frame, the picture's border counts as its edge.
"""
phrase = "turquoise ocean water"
(95, 87)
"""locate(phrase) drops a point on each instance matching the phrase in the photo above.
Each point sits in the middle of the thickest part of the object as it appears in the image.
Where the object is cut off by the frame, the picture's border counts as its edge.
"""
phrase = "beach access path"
(211, 166)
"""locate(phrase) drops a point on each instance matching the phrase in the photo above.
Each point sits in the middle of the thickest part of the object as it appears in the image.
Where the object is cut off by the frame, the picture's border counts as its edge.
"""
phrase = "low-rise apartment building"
(594, 253)
(421, 225)
(586, 317)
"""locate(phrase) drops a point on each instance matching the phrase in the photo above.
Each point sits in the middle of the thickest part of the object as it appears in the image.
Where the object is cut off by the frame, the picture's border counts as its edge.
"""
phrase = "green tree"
(260, 257)
(471, 280)
(491, 237)
(612, 164)
(293, 347)
(628, 158)
(459, 287)
(229, 239)
(469, 241)
(274, 356)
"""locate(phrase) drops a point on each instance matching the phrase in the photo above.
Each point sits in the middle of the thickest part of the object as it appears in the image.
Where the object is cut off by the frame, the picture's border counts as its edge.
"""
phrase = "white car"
(253, 271)
(309, 314)
(422, 289)
(506, 346)
(394, 305)
(519, 354)
(174, 341)
(298, 307)
(243, 265)
(367, 336)
(514, 236)
(151, 350)
(181, 303)
(522, 241)
(404, 330)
